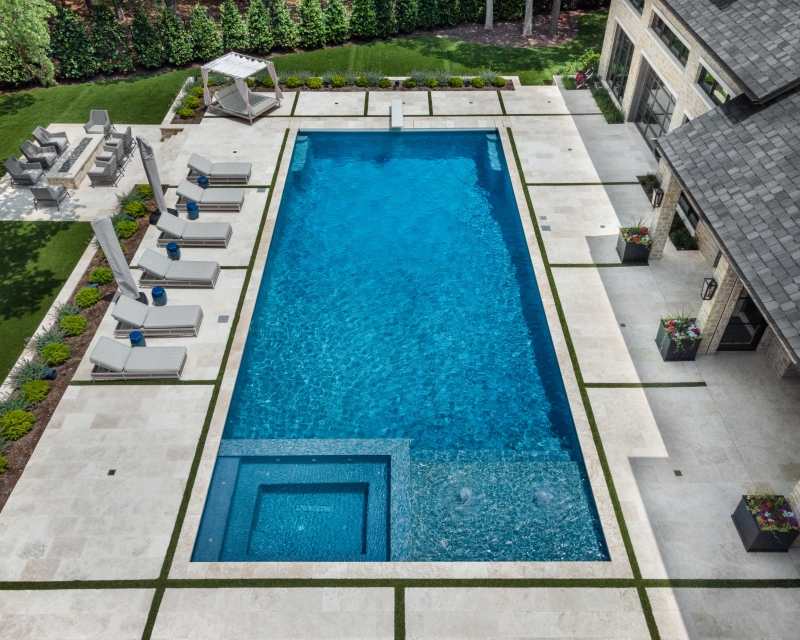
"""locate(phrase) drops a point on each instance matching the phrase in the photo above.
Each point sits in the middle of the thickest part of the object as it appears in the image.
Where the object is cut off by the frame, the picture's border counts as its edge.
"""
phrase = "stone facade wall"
(691, 101)
(663, 215)
(714, 314)
(780, 360)
(706, 243)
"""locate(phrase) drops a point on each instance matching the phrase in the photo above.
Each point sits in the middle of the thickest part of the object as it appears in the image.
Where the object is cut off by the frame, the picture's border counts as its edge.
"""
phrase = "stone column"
(714, 314)
(794, 498)
(662, 216)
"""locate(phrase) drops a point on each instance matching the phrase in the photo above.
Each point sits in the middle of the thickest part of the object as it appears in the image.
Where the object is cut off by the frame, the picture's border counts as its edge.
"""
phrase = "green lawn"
(36, 260)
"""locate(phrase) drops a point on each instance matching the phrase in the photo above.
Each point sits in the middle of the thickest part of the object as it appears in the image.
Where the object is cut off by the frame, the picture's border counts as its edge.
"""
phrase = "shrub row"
(338, 79)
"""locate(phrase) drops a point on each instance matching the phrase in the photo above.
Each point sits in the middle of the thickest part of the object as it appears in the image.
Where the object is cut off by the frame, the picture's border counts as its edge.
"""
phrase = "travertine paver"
(331, 103)
(535, 100)
(415, 103)
(235, 614)
(203, 352)
(77, 614)
(68, 519)
(466, 103)
(524, 613)
(725, 614)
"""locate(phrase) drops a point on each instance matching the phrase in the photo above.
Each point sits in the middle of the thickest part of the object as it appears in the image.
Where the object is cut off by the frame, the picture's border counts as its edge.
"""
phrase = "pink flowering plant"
(637, 233)
(681, 327)
(773, 513)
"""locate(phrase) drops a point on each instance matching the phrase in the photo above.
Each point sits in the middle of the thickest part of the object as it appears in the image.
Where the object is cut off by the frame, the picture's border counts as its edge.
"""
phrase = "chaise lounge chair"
(27, 173)
(192, 234)
(156, 322)
(46, 139)
(209, 199)
(105, 173)
(45, 156)
(158, 270)
(99, 122)
(49, 196)
(218, 172)
(230, 101)
(128, 142)
(116, 361)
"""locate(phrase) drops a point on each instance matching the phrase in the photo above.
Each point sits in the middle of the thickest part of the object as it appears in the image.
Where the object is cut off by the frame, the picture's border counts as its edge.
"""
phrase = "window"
(709, 84)
(638, 5)
(620, 63)
(688, 211)
(656, 105)
(745, 327)
(673, 42)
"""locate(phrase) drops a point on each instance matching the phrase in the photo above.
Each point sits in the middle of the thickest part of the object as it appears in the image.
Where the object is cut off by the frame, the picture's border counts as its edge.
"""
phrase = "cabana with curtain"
(237, 99)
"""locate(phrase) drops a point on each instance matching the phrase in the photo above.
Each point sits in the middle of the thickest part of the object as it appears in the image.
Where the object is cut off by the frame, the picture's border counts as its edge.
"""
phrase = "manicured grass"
(141, 100)
(401, 55)
(36, 260)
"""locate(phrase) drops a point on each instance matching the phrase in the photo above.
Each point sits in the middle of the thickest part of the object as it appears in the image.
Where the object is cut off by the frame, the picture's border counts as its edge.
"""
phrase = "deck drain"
(223, 319)
(542, 217)
(678, 473)
(545, 227)
(621, 324)
(111, 472)
(261, 190)
(602, 226)
(236, 152)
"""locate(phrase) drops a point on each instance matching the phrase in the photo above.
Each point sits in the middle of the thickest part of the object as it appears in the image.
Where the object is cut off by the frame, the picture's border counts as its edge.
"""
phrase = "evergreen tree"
(387, 20)
(473, 10)
(24, 41)
(110, 41)
(259, 32)
(363, 21)
(70, 46)
(234, 31)
(178, 49)
(284, 30)
(428, 14)
(407, 15)
(146, 42)
(449, 13)
(336, 23)
(311, 27)
(206, 42)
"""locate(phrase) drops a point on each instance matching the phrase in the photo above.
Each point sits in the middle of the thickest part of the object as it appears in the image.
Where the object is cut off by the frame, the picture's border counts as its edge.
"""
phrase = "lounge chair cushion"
(192, 270)
(207, 231)
(155, 263)
(190, 191)
(200, 164)
(110, 354)
(229, 169)
(209, 196)
(155, 360)
(172, 225)
(179, 316)
(130, 312)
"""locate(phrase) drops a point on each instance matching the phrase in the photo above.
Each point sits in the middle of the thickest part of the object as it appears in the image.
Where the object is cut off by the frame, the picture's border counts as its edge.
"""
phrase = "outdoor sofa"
(24, 173)
(46, 156)
(158, 270)
(49, 196)
(218, 172)
(209, 199)
(192, 234)
(46, 139)
(99, 123)
(156, 322)
(117, 361)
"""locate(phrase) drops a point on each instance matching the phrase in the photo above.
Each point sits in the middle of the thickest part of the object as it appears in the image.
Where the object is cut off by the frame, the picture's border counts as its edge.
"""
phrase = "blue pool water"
(399, 302)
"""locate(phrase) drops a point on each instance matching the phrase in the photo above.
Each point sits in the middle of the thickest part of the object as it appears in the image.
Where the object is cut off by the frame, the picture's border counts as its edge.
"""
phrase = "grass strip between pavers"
(587, 405)
(430, 104)
(502, 104)
(641, 385)
(294, 104)
(399, 613)
(595, 265)
(577, 184)
(366, 102)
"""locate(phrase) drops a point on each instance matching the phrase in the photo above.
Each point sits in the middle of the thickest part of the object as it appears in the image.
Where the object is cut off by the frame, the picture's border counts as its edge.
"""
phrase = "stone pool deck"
(87, 555)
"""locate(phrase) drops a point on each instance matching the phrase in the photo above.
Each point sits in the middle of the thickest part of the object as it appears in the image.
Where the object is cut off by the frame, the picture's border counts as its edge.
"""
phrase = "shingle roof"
(758, 41)
(740, 164)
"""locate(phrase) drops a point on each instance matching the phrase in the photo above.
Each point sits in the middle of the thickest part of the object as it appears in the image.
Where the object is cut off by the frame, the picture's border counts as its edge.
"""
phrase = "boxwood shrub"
(3, 465)
(35, 391)
(87, 297)
(51, 336)
(144, 191)
(186, 113)
(16, 424)
(499, 82)
(292, 82)
(197, 92)
(101, 275)
(432, 83)
(362, 81)
(385, 83)
(192, 102)
(478, 82)
(314, 83)
(409, 83)
(338, 81)
(456, 82)
(126, 228)
(73, 325)
(268, 83)
(136, 209)
(56, 354)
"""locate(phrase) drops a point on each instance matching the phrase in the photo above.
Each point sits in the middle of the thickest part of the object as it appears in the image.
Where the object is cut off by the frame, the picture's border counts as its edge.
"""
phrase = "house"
(714, 88)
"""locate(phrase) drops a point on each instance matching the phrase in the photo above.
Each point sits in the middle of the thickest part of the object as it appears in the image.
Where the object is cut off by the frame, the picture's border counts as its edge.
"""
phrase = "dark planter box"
(753, 538)
(676, 350)
(631, 251)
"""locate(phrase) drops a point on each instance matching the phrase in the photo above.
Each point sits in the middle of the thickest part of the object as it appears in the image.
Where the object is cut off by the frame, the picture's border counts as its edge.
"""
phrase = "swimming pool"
(399, 303)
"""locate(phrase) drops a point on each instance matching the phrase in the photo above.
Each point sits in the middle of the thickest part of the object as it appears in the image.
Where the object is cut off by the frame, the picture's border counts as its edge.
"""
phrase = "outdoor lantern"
(709, 289)
(396, 84)
(658, 197)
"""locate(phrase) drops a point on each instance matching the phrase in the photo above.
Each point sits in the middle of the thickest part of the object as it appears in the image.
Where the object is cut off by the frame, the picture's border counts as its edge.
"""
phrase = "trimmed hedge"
(73, 325)
(126, 229)
(35, 391)
(16, 424)
(56, 354)
(87, 297)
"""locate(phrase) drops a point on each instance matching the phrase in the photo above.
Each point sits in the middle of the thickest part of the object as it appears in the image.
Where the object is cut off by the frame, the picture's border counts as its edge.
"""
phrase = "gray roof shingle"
(758, 42)
(740, 164)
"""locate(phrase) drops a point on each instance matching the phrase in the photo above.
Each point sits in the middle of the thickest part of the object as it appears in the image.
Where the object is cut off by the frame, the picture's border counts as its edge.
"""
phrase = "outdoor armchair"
(117, 361)
(45, 138)
(158, 270)
(209, 199)
(218, 172)
(127, 140)
(192, 234)
(99, 123)
(46, 156)
(27, 173)
(49, 196)
(156, 322)
(113, 149)
(104, 173)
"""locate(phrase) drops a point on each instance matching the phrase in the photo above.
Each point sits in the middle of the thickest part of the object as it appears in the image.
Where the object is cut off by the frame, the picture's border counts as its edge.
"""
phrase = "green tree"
(178, 48)
(311, 27)
(386, 18)
(234, 31)
(473, 10)
(449, 13)
(336, 23)
(259, 31)
(110, 41)
(70, 46)
(206, 41)
(428, 14)
(284, 29)
(146, 42)
(407, 15)
(24, 41)
(363, 21)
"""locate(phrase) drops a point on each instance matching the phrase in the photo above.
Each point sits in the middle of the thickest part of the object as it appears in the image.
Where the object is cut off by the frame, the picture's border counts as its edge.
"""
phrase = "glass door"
(655, 109)
(745, 327)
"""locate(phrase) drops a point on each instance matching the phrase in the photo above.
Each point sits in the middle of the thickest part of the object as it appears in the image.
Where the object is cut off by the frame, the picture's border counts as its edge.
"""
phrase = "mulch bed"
(18, 453)
(509, 34)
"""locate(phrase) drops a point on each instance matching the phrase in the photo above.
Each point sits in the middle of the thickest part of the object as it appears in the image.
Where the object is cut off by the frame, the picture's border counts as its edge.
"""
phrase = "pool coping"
(617, 567)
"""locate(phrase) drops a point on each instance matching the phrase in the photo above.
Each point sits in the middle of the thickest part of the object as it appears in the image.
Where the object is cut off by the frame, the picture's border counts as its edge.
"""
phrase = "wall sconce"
(709, 289)
(658, 197)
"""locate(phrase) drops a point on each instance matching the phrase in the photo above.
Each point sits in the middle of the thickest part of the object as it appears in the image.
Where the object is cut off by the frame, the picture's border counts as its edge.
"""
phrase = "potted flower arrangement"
(678, 338)
(633, 244)
(766, 522)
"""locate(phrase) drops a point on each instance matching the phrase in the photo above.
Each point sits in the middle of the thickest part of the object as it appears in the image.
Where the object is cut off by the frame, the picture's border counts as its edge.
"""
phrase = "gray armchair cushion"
(46, 156)
(23, 172)
(45, 138)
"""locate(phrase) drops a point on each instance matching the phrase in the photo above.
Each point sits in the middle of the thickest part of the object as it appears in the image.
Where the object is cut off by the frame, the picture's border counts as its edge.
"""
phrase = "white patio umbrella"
(104, 231)
(151, 169)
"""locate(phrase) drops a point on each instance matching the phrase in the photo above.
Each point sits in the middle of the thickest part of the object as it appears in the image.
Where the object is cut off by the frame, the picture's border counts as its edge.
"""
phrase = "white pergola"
(237, 100)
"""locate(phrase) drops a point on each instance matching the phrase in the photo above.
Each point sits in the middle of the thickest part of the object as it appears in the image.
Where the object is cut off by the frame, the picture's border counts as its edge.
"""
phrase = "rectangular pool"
(399, 303)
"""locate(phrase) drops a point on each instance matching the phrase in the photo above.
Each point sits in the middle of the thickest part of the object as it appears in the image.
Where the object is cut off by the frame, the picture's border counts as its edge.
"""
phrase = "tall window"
(638, 4)
(673, 42)
(709, 84)
(688, 211)
(620, 63)
(656, 105)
